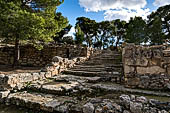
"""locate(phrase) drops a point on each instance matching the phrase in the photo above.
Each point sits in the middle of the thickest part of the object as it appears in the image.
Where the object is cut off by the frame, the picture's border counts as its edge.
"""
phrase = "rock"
(136, 107)
(57, 59)
(3, 95)
(125, 111)
(117, 107)
(108, 106)
(62, 109)
(151, 70)
(125, 101)
(153, 102)
(163, 111)
(168, 86)
(142, 99)
(128, 69)
(88, 108)
(133, 81)
(98, 110)
(132, 97)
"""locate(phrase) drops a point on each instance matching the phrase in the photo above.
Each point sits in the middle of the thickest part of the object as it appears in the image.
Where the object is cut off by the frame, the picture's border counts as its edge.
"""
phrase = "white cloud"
(71, 32)
(161, 2)
(117, 9)
(101, 5)
(125, 14)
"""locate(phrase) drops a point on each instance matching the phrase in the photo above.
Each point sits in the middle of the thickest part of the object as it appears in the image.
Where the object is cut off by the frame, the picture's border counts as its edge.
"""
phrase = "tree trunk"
(16, 52)
(117, 42)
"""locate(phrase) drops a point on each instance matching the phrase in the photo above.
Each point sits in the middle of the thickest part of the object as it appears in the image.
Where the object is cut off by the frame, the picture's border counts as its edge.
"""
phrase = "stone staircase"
(81, 89)
(70, 91)
(106, 64)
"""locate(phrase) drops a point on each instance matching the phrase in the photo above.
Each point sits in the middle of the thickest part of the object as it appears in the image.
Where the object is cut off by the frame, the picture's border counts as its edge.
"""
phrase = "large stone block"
(129, 61)
(150, 70)
(141, 62)
(166, 60)
(166, 53)
(128, 69)
(157, 62)
(136, 61)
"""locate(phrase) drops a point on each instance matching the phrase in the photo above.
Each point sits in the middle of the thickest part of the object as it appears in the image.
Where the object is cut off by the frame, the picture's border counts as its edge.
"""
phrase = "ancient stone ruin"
(30, 56)
(95, 81)
(147, 67)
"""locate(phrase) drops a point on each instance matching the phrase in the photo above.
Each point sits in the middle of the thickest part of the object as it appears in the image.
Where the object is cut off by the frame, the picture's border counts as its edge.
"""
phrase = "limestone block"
(42, 75)
(150, 70)
(157, 53)
(166, 60)
(55, 72)
(88, 108)
(3, 95)
(57, 59)
(128, 53)
(168, 69)
(48, 74)
(166, 53)
(155, 62)
(141, 62)
(2, 76)
(128, 69)
(25, 77)
(129, 61)
(136, 107)
(35, 76)
(133, 82)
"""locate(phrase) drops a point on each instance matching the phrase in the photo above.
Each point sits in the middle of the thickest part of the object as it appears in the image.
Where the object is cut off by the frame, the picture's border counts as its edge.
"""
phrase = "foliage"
(120, 30)
(155, 33)
(159, 25)
(136, 31)
(64, 26)
(68, 40)
(106, 31)
(79, 35)
(31, 20)
(88, 27)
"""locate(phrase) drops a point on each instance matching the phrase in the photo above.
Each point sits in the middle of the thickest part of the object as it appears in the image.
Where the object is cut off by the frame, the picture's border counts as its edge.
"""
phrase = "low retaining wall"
(30, 56)
(20, 80)
(146, 67)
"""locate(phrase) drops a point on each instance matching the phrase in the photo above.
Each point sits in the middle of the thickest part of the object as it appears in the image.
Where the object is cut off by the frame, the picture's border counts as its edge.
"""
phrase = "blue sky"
(100, 10)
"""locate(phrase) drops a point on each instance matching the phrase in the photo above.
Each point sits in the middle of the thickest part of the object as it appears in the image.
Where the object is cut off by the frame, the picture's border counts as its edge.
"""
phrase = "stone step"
(117, 88)
(89, 70)
(105, 58)
(99, 66)
(100, 62)
(81, 79)
(93, 74)
(53, 87)
(97, 69)
(41, 102)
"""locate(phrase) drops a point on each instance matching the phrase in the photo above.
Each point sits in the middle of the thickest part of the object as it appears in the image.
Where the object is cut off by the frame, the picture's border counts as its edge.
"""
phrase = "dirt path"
(4, 69)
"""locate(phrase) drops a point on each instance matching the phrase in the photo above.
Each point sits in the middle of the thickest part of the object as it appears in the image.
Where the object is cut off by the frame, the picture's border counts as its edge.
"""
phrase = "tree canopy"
(88, 27)
(31, 20)
(136, 31)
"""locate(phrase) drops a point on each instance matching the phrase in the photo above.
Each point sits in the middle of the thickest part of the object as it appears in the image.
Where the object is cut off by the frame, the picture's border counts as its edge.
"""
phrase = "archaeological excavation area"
(77, 79)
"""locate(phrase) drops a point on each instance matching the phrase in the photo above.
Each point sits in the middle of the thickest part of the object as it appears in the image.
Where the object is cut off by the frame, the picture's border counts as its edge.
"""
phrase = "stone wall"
(30, 56)
(20, 80)
(147, 67)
